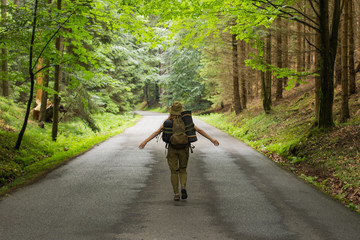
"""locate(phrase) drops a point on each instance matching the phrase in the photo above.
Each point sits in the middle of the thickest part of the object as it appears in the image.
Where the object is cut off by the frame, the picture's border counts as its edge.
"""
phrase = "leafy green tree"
(128, 66)
(254, 13)
(32, 80)
(4, 55)
(182, 80)
(328, 30)
(79, 23)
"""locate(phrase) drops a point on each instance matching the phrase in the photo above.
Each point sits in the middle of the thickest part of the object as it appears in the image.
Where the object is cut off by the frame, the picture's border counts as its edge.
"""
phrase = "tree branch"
(336, 22)
(303, 14)
(357, 68)
(48, 66)
(278, 7)
(313, 45)
(313, 8)
(48, 42)
(291, 15)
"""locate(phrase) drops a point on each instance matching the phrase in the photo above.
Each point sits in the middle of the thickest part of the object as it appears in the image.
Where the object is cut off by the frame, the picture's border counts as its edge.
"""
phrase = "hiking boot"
(183, 194)
(177, 197)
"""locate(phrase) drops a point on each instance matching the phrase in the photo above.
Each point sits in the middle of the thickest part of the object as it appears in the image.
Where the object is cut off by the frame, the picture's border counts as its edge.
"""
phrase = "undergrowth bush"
(259, 131)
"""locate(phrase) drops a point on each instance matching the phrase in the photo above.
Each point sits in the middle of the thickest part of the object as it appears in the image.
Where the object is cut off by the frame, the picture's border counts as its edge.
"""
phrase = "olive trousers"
(178, 161)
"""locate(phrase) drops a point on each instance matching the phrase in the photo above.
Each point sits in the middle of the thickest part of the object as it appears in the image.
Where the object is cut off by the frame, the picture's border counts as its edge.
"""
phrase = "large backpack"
(179, 126)
(167, 131)
(178, 139)
(189, 126)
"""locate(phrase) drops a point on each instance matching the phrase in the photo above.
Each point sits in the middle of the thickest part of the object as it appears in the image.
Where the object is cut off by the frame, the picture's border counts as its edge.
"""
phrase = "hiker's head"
(176, 109)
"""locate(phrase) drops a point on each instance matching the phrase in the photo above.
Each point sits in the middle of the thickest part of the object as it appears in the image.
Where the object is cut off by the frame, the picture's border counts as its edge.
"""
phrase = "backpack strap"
(191, 147)
(158, 136)
(166, 148)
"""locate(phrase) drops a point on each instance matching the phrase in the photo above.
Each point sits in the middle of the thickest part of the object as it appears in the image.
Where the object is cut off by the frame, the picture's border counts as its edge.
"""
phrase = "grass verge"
(38, 153)
(328, 160)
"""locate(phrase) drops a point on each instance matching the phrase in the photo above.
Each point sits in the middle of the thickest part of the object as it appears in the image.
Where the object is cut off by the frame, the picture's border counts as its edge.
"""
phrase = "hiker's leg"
(183, 162)
(172, 158)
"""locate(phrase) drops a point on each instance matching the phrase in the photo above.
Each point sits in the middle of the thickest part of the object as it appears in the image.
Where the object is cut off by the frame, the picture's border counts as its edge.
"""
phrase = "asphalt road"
(116, 191)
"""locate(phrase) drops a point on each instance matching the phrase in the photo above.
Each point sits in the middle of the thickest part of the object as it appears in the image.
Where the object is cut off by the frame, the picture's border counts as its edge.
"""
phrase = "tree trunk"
(344, 62)
(266, 79)
(4, 73)
(303, 49)
(242, 51)
(44, 95)
(236, 92)
(352, 74)
(285, 50)
(328, 54)
(250, 74)
(307, 48)
(266, 104)
(32, 81)
(357, 26)
(157, 93)
(279, 81)
(57, 82)
(39, 80)
(158, 88)
(338, 62)
(4, 57)
(145, 92)
(317, 76)
(268, 74)
(299, 49)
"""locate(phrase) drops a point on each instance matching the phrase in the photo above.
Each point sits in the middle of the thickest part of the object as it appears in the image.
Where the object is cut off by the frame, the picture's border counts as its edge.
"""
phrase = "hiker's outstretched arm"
(202, 132)
(154, 134)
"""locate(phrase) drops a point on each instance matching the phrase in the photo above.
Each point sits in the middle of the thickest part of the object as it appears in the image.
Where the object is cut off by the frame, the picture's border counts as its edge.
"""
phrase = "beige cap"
(176, 108)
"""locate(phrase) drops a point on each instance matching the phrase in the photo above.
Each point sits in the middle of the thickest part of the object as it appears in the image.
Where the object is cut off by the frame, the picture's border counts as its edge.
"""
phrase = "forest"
(64, 60)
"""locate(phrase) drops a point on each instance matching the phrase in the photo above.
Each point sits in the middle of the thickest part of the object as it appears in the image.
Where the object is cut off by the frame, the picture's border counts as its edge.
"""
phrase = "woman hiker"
(177, 158)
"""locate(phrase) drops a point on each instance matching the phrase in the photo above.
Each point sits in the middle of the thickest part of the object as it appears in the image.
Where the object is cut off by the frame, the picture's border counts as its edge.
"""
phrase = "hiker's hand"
(142, 145)
(215, 142)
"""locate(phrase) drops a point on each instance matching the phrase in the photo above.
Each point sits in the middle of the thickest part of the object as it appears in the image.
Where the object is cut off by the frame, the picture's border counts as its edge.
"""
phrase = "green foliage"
(312, 180)
(258, 62)
(99, 49)
(262, 132)
(104, 41)
(106, 49)
(194, 23)
(126, 67)
(157, 109)
(183, 81)
(295, 160)
(10, 113)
